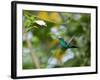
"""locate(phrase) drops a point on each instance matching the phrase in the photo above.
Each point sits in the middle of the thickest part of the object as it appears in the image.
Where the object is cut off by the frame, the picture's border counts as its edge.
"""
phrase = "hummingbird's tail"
(74, 47)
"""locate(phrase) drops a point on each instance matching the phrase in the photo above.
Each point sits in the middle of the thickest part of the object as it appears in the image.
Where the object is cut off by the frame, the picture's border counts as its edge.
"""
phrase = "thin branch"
(34, 57)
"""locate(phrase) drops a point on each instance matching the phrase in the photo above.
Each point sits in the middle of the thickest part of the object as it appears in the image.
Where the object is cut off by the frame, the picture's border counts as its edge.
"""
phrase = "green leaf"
(27, 23)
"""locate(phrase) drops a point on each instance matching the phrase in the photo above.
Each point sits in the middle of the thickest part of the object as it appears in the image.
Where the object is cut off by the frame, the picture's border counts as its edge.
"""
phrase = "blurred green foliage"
(59, 24)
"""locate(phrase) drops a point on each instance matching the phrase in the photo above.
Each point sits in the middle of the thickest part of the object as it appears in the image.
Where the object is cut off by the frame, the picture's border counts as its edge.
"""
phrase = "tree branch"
(34, 57)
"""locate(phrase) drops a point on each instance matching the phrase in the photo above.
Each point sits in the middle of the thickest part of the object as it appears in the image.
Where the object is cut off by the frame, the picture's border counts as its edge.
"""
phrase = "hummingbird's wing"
(70, 40)
(70, 43)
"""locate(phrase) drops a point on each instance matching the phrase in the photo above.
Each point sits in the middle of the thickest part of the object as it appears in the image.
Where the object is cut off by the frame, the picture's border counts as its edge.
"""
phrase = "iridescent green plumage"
(66, 45)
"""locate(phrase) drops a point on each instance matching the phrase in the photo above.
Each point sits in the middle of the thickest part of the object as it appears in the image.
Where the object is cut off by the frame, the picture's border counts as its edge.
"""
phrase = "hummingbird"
(66, 45)
(62, 52)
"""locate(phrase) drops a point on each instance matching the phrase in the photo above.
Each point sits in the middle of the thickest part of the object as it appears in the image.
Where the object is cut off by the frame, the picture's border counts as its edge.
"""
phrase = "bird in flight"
(66, 45)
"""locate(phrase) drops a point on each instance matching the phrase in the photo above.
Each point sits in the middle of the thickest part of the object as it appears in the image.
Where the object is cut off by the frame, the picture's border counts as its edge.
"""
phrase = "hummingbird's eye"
(41, 22)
